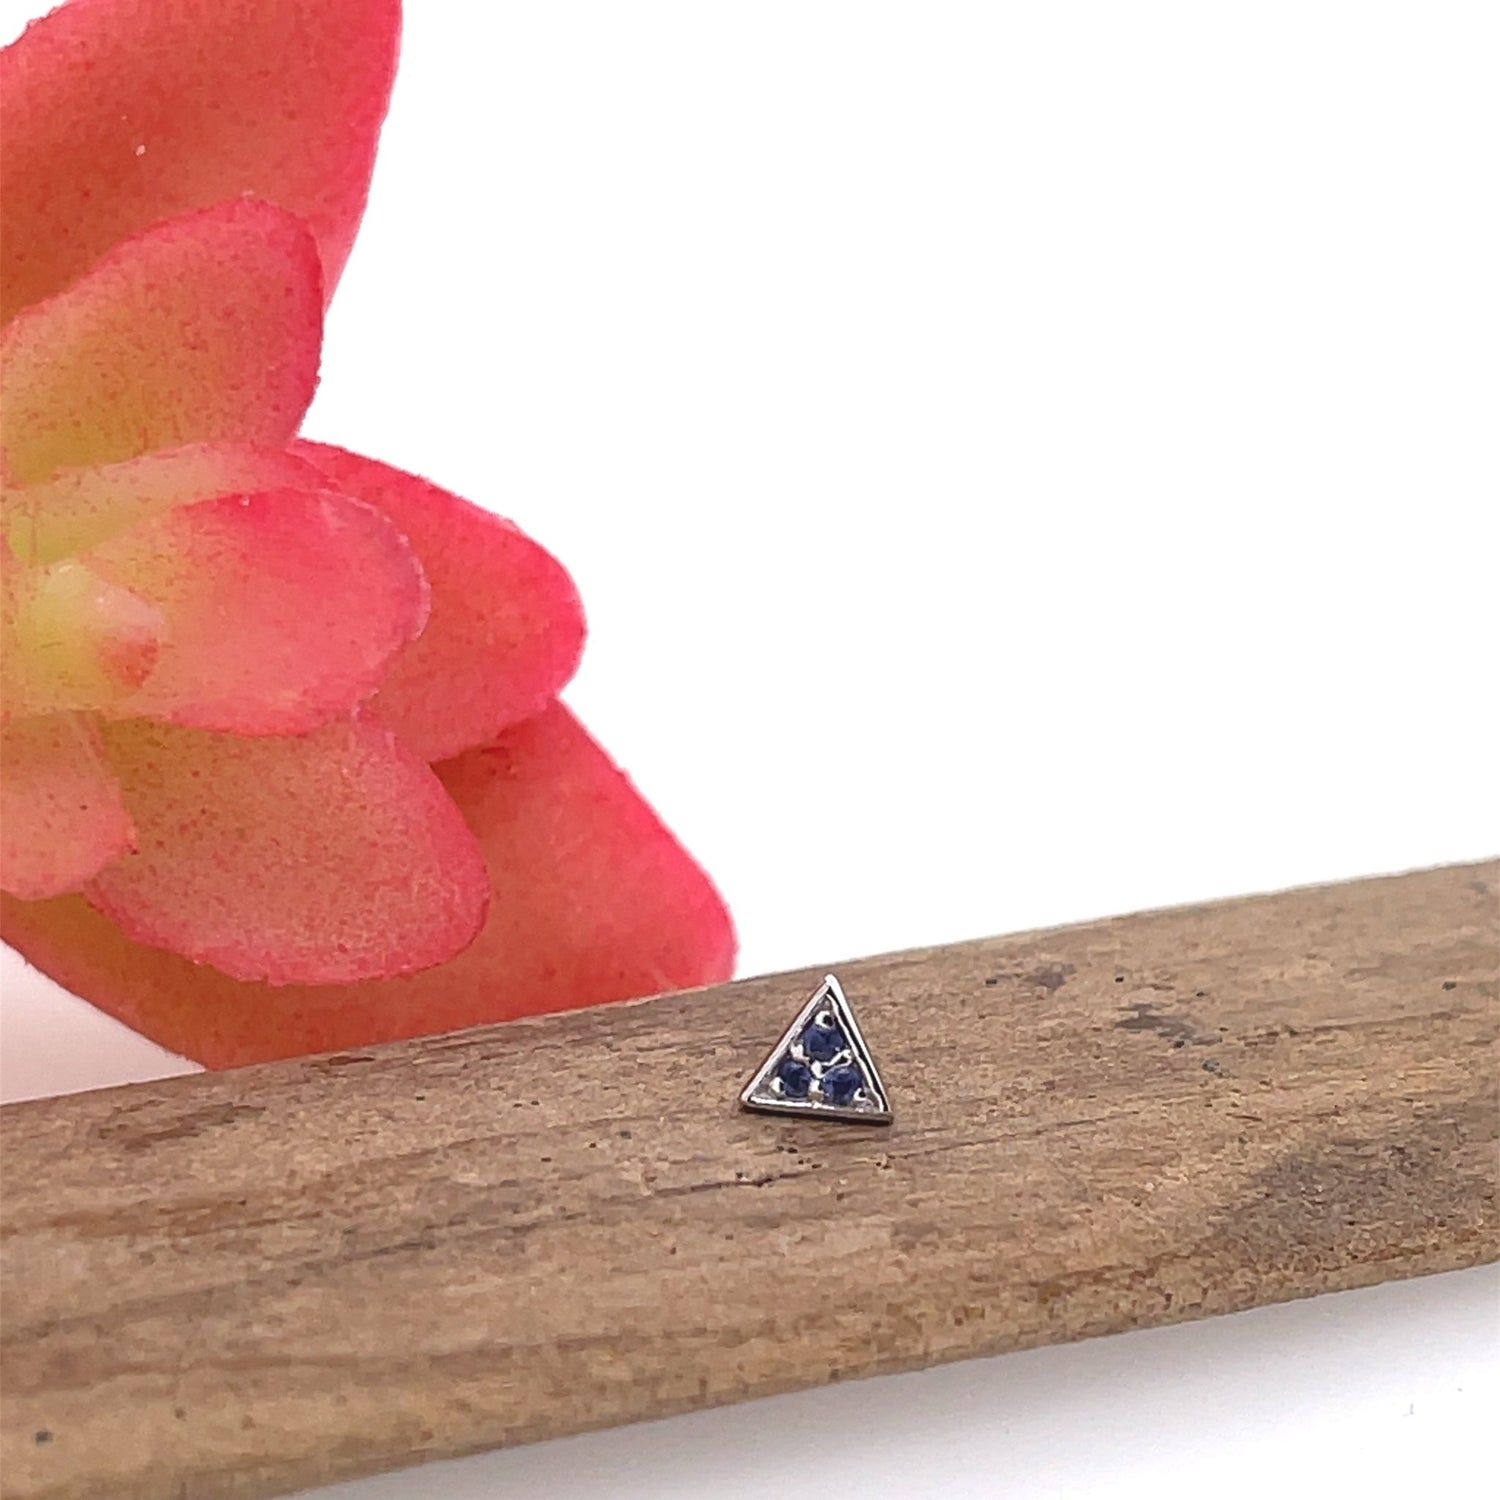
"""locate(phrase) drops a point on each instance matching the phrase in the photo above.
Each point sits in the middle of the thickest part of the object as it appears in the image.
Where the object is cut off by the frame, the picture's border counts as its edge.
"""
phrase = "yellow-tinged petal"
(80, 508)
(73, 639)
(280, 610)
(206, 328)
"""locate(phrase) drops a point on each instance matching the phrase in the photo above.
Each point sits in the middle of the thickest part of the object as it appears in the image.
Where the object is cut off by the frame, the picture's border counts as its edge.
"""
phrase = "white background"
(1022, 462)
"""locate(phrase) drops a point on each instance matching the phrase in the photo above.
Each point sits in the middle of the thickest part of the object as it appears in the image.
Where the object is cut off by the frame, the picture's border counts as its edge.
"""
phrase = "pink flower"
(283, 766)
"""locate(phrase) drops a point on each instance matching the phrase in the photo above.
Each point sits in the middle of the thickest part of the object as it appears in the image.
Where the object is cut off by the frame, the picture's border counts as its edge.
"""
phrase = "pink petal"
(117, 114)
(282, 610)
(47, 522)
(594, 900)
(61, 817)
(506, 629)
(323, 859)
(203, 329)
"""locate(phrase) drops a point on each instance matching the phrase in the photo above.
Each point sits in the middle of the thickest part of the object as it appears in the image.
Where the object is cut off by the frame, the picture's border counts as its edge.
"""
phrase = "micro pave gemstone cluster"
(820, 1066)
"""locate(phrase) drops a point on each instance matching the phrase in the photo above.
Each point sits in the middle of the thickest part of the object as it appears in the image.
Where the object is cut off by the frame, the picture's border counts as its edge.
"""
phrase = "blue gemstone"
(796, 1078)
(823, 1043)
(840, 1085)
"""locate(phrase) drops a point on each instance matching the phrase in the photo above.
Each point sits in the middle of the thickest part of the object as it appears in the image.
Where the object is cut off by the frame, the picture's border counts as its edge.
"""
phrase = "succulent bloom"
(281, 762)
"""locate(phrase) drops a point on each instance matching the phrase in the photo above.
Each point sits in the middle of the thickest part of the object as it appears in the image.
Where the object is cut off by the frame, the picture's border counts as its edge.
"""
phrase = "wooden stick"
(243, 1283)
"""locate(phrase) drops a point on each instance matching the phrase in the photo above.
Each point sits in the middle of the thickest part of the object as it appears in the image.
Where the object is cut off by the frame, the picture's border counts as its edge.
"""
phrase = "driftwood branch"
(244, 1283)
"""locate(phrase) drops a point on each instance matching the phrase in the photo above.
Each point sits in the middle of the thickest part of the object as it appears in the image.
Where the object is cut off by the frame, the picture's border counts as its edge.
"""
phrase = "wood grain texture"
(243, 1283)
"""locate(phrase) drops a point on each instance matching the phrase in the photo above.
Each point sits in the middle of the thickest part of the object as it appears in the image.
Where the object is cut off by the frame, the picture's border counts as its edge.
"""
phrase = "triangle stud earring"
(821, 1066)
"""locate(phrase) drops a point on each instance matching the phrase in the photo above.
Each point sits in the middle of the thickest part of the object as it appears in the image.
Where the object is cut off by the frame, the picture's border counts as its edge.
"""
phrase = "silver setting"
(765, 1091)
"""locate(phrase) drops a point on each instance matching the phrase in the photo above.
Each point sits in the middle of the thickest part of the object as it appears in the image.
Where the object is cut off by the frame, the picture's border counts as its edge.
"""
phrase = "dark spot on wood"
(1146, 1016)
(134, 1134)
(1051, 977)
(336, 1060)
(1211, 1065)
(1450, 984)
(1119, 979)
(42, 1436)
(416, 1242)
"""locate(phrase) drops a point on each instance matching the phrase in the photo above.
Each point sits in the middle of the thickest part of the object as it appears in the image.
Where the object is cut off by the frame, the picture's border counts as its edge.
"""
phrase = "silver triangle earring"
(821, 1066)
